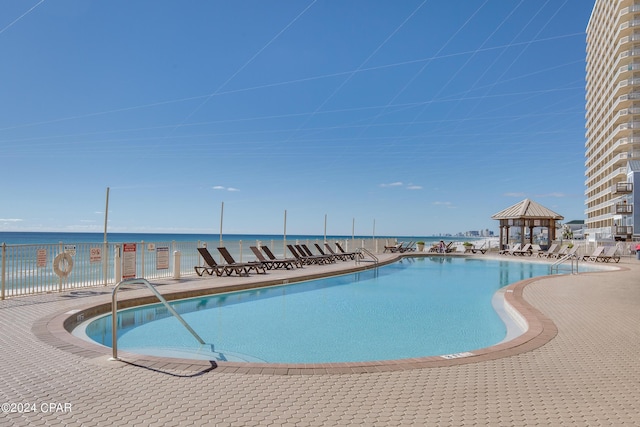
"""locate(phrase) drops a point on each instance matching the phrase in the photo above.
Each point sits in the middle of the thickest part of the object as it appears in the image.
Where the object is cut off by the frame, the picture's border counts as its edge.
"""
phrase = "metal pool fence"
(40, 268)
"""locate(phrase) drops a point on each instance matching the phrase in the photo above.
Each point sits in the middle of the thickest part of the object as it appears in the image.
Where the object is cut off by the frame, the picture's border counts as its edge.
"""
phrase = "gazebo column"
(531, 233)
(506, 240)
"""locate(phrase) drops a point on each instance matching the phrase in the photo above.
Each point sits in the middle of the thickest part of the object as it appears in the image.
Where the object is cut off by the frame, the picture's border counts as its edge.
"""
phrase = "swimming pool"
(416, 307)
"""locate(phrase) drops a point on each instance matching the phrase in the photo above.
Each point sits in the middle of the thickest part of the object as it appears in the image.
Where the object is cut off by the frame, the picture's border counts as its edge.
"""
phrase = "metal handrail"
(114, 313)
(360, 251)
(572, 257)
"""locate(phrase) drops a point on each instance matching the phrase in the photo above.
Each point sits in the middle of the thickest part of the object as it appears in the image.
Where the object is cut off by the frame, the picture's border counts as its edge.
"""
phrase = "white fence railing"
(39, 268)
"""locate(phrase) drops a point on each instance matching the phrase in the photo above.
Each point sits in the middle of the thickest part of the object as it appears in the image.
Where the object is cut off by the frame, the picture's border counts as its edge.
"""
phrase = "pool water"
(416, 307)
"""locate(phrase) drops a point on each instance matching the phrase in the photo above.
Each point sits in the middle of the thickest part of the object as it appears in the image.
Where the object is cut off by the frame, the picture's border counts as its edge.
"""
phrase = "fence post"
(117, 265)
(105, 262)
(143, 250)
(176, 264)
(60, 250)
(4, 269)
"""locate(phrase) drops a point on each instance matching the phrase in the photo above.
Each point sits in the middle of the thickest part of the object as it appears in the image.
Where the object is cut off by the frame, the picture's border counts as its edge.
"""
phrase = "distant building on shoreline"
(613, 121)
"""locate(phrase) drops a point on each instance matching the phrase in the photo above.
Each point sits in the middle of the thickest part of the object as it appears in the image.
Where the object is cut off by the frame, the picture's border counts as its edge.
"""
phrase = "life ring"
(62, 264)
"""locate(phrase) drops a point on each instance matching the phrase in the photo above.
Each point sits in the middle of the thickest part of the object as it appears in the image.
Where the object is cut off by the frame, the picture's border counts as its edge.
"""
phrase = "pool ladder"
(555, 267)
(361, 253)
(114, 313)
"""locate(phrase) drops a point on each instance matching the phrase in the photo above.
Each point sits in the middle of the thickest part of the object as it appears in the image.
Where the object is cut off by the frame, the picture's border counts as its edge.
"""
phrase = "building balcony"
(623, 115)
(616, 160)
(604, 182)
(629, 53)
(626, 41)
(624, 101)
(628, 68)
(622, 209)
(631, 9)
(625, 85)
(622, 188)
(622, 231)
(628, 129)
(626, 28)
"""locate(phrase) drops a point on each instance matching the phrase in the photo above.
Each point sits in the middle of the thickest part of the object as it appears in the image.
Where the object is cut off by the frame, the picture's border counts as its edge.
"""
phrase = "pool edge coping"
(55, 330)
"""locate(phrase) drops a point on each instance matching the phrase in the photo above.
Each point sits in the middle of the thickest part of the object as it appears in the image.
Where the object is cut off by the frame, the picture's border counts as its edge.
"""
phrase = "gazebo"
(526, 214)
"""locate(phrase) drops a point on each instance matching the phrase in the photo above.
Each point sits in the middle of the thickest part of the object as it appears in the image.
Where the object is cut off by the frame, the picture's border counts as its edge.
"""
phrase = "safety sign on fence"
(128, 260)
(95, 254)
(41, 257)
(162, 258)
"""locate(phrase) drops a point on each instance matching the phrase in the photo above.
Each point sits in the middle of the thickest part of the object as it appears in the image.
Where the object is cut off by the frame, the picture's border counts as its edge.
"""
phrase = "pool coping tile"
(55, 330)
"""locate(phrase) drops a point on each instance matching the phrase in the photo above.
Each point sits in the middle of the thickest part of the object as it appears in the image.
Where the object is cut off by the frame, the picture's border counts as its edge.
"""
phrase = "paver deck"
(586, 373)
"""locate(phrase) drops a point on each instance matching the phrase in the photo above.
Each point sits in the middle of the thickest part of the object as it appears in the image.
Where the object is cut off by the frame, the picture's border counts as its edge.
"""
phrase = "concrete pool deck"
(586, 372)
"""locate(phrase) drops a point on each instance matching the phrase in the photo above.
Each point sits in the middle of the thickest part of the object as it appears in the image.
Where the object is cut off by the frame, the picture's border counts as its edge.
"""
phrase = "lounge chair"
(526, 250)
(302, 257)
(442, 250)
(609, 255)
(270, 264)
(594, 256)
(409, 247)
(570, 253)
(392, 248)
(549, 253)
(211, 267)
(330, 252)
(340, 256)
(332, 257)
(307, 251)
(293, 261)
(245, 266)
(351, 255)
(564, 249)
(482, 249)
(510, 251)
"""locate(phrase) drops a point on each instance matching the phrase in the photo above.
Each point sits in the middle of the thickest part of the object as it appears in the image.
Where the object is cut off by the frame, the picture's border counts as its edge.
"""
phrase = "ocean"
(29, 238)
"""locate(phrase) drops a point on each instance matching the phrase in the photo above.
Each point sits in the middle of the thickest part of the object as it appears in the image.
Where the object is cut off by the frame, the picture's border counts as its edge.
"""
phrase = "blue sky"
(424, 117)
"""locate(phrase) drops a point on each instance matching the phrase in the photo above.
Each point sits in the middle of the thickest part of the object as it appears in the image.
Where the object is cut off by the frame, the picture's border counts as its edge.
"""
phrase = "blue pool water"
(413, 308)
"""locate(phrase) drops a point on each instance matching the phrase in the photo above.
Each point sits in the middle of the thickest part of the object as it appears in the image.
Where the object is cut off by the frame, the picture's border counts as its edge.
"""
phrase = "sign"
(128, 260)
(70, 249)
(162, 258)
(95, 254)
(41, 258)
(151, 247)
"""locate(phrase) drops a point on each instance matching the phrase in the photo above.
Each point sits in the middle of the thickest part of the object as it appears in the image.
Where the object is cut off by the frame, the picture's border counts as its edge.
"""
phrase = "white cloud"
(10, 220)
(220, 187)
(551, 195)
(414, 187)
(445, 204)
(393, 184)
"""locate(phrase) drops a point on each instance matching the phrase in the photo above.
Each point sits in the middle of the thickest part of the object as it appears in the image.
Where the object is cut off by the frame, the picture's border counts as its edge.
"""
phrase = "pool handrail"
(114, 313)
(361, 252)
(555, 267)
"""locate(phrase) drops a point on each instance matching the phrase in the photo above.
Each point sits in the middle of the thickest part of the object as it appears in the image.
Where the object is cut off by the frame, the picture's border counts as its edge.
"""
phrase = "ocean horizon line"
(36, 237)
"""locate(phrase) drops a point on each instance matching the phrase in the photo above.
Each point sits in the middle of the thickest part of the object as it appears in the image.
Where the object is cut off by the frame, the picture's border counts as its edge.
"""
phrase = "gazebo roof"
(527, 209)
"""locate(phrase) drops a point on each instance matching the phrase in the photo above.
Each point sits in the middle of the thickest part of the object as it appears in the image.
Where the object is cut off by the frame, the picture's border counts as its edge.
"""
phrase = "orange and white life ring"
(62, 264)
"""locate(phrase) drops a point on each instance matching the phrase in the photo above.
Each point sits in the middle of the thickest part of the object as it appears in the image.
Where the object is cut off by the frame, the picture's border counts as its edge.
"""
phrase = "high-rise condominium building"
(613, 120)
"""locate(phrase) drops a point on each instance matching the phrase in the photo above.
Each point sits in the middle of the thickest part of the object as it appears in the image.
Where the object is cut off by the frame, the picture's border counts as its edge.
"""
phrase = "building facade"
(612, 120)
